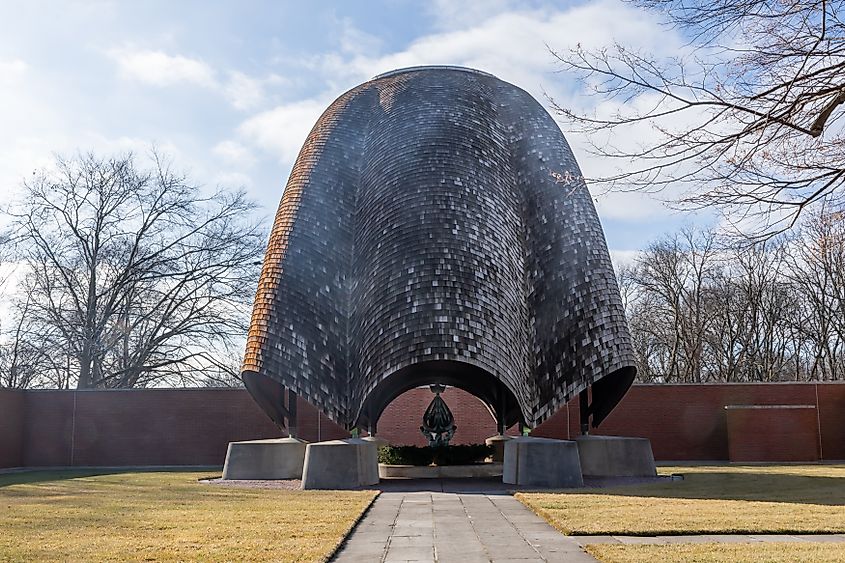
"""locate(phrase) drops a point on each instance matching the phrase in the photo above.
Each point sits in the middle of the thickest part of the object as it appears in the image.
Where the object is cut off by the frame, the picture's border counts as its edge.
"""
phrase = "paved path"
(456, 527)
(469, 521)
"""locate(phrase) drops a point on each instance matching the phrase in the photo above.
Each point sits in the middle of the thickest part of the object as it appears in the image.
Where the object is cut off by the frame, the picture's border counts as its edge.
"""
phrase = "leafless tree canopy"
(130, 277)
(704, 312)
(749, 116)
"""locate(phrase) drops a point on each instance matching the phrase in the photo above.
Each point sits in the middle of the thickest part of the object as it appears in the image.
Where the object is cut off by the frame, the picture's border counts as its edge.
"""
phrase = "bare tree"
(137, 274)
(817, 270)
(773, 311)
(748, 118)
(673, 276)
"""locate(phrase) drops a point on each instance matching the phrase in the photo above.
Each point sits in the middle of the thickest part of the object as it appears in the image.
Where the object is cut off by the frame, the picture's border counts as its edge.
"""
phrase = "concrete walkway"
(456, 527)
(469, 521)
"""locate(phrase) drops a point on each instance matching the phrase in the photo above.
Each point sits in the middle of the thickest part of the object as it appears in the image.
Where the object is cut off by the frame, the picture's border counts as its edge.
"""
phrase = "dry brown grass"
(710, 500)
(167, 516)
(722, 553)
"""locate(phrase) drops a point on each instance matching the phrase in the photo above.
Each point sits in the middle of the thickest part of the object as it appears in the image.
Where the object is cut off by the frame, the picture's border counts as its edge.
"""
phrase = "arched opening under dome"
(492, 392)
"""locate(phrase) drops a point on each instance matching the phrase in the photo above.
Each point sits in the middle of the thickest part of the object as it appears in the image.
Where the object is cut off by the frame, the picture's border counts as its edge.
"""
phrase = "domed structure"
(435, 229)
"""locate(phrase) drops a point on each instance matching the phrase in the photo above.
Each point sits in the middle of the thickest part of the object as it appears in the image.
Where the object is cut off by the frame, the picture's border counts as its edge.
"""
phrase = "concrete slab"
(542, 462)
(615, 456)
(280, 458)
(464, 528)
(340, 464)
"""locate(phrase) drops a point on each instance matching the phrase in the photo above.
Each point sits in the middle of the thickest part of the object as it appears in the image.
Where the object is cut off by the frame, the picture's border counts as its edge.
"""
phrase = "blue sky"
(229, 90)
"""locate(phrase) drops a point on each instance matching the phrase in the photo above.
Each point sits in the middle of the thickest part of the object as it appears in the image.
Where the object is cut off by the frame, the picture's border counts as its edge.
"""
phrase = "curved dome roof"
(435, 228)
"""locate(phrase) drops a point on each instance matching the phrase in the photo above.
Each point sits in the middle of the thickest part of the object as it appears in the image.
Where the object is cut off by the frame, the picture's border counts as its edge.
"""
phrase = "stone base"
(542, 462)
(439, 471)
(615, 456)
(280, 458)
(379, 442)
(340, 464)
(498, 442)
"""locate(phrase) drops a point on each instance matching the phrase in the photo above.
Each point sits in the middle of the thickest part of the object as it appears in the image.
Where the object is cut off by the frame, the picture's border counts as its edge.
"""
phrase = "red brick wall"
(831, 413)
(688, 422)
(149, 427)
(11, 428)
(400, 423)
(193, 426)
(791, 433)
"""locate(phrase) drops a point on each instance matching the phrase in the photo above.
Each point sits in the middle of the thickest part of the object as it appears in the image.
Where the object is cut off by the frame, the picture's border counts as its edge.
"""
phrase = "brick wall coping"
(738, 407)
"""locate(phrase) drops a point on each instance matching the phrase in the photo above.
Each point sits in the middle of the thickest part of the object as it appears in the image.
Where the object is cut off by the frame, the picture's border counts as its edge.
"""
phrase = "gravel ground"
(475, 484)
(288, 484)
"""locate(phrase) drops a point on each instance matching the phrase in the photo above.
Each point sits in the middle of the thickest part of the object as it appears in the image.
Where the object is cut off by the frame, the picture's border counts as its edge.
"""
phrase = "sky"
(230, 90)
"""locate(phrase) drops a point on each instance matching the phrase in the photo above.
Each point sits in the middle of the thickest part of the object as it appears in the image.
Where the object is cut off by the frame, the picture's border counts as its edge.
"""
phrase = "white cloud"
(233, 180)
(510, 44)
(160, 69)
(157, 68)
(355, 41)
(234, 152)
(242, 91)
(622, 258)
(282, 130)
(9, 70)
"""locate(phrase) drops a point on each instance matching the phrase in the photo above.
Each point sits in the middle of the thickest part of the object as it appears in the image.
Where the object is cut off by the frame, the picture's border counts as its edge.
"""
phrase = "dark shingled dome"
(436, 229)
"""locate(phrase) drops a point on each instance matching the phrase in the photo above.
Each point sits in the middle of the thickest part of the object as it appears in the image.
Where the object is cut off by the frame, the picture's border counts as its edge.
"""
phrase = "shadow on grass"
(746, 486)
(45, 475)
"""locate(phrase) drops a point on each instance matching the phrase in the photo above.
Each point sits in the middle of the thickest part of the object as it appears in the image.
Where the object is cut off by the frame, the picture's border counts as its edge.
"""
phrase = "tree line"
(120, 275)
(701, 311)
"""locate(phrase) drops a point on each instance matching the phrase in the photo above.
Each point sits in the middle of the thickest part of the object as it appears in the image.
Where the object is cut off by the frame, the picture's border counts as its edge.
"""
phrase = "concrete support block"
(542, 462)
(498, 442)
(340, 464)
(615, 456)
(378, 441)
(280, 458)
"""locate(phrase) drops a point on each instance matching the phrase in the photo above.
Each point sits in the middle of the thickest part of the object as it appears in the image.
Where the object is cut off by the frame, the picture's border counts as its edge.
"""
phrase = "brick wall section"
(400, 423)
(791, 433)
(193, 426)
(831, 413)
(688, 422)
(11, 428)
(149, 427)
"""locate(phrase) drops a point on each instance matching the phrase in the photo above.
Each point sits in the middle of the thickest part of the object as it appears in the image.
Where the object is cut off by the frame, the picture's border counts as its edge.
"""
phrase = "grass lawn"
(710, 500)
(169, 516)
(721, 553)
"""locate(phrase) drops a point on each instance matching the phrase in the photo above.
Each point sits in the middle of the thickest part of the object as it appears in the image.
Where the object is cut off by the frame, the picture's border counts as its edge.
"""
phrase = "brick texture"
(773, 433)
(194, 426)
(12, 409)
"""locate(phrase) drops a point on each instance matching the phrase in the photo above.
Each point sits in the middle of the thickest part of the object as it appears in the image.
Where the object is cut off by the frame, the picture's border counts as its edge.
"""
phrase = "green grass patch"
(167, 516)
(776, 499)
(722, 553)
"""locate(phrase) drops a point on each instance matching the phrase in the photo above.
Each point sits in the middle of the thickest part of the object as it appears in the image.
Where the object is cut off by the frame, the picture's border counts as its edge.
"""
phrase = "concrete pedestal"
(379, 442)
(542, 462)
(615, 456)
(340, 464)
(498, 442)
(280, 458)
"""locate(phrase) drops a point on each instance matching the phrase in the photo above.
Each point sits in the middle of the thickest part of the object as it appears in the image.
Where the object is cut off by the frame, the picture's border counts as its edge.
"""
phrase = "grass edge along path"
(723, 499)
(168, 516)
(721, 553)
(337, 547)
